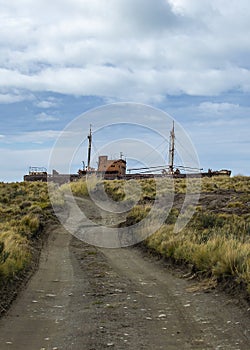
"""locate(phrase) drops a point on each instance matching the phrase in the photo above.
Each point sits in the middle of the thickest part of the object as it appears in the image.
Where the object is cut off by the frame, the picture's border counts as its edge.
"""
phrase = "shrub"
(29, 225)
(172, 216)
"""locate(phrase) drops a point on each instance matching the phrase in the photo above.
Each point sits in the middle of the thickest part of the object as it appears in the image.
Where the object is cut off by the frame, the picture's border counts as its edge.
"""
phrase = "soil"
(83, 297)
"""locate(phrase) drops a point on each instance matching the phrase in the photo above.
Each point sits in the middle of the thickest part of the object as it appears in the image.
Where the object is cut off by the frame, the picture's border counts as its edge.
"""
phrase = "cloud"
(46, 104)
(123, 83)
(44, 117)
(136, 49)
(218, 108)
(36, 137)
(189, 57)
(7, 98)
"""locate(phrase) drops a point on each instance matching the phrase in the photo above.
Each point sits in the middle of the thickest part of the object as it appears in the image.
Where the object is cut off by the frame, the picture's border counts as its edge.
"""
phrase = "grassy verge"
(215, 245)
(24, 209)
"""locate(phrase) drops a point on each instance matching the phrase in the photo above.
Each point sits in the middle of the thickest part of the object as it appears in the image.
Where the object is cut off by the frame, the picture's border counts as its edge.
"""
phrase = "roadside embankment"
(25, 210)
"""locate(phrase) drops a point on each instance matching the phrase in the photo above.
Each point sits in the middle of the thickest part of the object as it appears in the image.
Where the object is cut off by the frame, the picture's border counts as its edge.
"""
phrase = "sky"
(62, 58)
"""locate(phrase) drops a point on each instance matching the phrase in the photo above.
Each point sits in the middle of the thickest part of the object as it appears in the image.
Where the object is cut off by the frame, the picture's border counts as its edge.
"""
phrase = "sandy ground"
(83, 297)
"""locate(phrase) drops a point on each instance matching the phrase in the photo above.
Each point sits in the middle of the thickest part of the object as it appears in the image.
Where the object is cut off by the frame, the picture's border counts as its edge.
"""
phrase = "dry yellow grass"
(23, 207)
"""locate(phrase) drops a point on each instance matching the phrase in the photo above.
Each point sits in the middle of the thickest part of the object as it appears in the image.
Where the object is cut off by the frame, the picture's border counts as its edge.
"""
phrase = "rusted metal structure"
(111, 169)
(40, 174)
(36, 174)
(173, 170)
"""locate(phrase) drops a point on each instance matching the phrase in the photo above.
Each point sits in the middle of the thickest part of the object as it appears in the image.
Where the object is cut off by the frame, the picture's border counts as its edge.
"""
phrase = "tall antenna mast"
(89, 148)
(171, 150)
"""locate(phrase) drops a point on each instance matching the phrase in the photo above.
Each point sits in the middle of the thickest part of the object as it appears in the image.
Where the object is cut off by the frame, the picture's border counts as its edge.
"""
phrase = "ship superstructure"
(111, 169)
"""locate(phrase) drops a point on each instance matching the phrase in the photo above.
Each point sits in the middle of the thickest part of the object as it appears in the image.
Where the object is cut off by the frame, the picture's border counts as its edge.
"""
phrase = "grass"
(214, 251)
(24, 208)
(216, 241)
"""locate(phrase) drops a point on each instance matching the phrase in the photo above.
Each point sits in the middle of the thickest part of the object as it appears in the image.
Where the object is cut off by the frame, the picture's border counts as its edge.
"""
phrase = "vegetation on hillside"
(24, 208)
(215, 244)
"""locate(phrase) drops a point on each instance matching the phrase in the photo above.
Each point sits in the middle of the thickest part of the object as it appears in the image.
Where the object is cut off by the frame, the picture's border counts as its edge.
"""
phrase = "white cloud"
(13, 98)
(218, 108)
(123, 83)
(36, 137)
(44, 117)
(136, 49)
(46, 104)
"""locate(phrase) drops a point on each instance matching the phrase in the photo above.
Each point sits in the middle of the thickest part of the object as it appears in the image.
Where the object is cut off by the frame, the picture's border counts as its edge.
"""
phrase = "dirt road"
(82, 298)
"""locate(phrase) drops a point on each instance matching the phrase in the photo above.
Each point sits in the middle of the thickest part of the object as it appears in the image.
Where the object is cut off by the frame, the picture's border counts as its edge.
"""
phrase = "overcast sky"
(190, 58)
